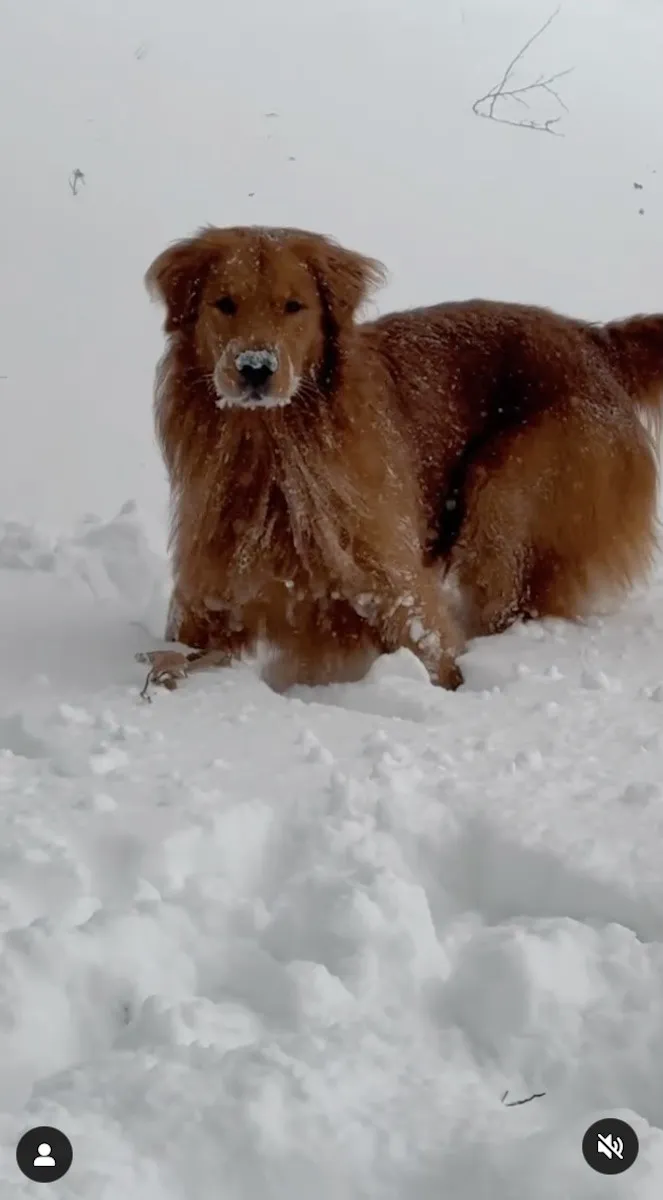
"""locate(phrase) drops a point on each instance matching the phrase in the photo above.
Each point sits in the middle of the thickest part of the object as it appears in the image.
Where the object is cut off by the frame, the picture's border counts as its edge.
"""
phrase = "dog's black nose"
(256, 376)
(256, 367)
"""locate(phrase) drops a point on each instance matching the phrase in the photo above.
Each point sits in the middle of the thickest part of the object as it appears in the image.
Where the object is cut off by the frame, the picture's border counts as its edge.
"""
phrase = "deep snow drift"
(277, 947)
(256, 947)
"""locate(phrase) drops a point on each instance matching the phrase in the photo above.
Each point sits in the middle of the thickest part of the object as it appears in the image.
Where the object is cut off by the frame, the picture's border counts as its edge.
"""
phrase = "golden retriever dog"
(326, 474)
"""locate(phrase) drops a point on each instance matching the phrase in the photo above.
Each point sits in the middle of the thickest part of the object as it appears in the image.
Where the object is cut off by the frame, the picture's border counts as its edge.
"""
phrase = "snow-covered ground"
(257, 947)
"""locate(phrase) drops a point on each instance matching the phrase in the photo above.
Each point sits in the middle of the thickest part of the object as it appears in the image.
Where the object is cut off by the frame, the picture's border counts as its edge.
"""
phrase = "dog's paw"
(449, 675)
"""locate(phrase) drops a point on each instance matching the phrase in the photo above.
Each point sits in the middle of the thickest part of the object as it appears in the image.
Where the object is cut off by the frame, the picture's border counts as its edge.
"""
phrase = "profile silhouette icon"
(44, 1154)
(44, 1157)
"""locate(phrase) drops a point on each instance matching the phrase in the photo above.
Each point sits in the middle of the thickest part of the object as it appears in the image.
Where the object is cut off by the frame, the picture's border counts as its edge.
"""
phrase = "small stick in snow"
(167, 666)
(486, 106)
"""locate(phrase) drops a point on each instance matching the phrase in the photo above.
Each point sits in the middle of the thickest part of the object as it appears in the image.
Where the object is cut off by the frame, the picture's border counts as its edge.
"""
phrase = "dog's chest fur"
(276, 528)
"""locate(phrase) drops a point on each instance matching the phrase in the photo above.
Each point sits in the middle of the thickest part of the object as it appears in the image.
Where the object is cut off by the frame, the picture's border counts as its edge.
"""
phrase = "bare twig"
(517, 1103)
(75, 179)
(487, 106)
(167, 666)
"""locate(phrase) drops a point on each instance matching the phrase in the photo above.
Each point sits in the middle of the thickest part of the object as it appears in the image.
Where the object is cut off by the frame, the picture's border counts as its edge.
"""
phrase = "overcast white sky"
(163, 106)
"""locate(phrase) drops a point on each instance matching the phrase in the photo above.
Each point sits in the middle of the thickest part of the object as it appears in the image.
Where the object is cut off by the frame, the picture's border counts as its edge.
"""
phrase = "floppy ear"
(177, 278)
(345, 278)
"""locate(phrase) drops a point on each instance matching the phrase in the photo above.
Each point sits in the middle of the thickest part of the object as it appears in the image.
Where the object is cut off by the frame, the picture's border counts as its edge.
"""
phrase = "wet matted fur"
(326, 473)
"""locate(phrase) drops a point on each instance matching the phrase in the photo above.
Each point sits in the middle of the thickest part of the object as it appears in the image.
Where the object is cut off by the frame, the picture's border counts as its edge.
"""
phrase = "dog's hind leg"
(490, 559)
(559, 514)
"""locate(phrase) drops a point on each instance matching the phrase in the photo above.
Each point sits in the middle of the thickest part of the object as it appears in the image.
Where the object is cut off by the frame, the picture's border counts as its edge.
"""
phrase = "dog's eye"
(293, 306)
(226, 305)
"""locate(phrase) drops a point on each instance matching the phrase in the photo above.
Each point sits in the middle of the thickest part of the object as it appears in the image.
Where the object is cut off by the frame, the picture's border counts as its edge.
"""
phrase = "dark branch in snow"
(75, 179)
(517, 1103)
(494, 103)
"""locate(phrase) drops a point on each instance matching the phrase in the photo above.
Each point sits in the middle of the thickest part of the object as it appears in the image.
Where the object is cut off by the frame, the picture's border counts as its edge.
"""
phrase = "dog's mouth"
(252, 399)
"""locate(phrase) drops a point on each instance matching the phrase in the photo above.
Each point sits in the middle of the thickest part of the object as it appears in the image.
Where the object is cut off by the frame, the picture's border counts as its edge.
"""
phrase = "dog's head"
(263, 309)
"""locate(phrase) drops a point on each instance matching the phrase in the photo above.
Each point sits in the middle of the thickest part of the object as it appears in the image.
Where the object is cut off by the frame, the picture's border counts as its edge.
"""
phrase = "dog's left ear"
(177, 278)
(345, 278)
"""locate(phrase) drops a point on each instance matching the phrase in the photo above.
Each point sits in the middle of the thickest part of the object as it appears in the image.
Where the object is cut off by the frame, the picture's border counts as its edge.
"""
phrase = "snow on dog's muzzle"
(256, 367)
(257, 377)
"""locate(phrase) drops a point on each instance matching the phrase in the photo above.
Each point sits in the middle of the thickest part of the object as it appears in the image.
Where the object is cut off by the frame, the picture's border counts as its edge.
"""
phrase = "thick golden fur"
(500, 441)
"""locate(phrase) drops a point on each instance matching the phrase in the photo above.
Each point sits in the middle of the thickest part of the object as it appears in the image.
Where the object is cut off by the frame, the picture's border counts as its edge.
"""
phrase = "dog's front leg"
(410, 612)
(205, 626)
(215, 642)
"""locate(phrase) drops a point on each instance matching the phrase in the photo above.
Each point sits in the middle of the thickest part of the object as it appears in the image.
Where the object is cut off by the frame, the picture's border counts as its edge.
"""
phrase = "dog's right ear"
(177, 278)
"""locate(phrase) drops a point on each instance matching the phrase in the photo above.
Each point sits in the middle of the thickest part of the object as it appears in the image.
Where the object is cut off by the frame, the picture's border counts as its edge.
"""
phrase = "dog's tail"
(634, 349)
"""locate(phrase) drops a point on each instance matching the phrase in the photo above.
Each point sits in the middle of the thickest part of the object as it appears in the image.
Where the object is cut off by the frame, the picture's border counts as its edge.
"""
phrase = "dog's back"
(522, 355)
(465, 371)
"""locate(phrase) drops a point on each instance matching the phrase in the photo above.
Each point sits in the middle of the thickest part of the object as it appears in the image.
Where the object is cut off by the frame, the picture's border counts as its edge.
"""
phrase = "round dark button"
(44, 1154)
(610, 1146)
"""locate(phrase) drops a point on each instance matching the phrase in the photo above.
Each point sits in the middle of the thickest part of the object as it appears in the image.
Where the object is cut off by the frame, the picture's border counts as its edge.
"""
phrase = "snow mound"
(113, 558)
(260, 945)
